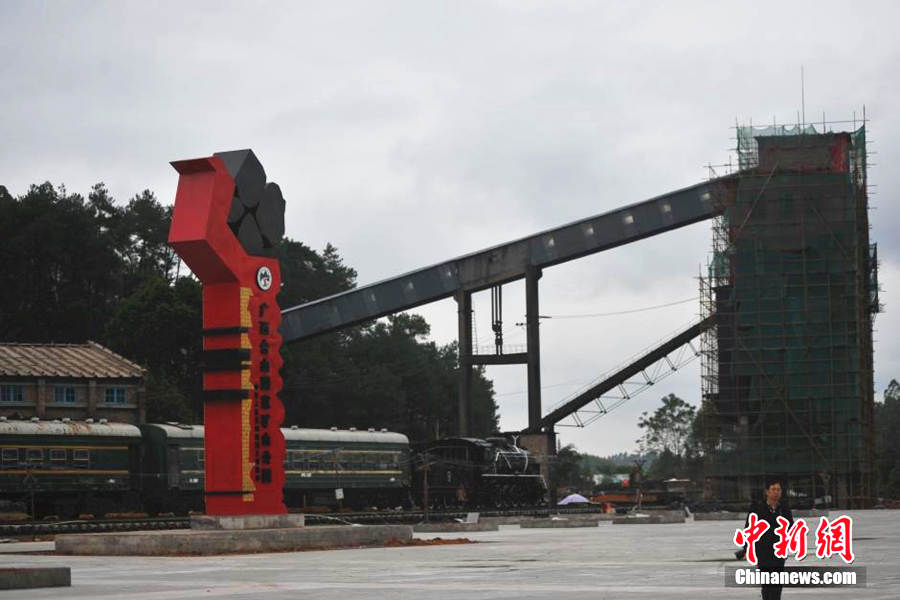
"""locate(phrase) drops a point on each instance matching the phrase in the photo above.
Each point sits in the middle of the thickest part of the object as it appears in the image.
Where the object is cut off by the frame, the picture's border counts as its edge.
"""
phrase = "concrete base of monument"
(196, 542)
(231, 522)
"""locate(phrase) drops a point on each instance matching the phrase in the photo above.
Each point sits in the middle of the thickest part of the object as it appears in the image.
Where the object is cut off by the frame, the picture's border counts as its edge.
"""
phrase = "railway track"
(50, 528)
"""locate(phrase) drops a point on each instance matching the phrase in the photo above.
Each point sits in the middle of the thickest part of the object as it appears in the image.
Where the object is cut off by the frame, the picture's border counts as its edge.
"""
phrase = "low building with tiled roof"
(69, 381)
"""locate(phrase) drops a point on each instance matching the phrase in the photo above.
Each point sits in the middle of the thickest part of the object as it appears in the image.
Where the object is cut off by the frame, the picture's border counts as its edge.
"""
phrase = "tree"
(591, 466)
(669, 432)
(669, 428)
(166, 401)
(142, 234)
(565, 470)
(887, 443)
(60, 275)
(159, 327)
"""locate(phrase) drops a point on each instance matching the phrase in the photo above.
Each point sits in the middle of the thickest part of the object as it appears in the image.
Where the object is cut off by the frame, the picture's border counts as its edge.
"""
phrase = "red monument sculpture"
(226, 224)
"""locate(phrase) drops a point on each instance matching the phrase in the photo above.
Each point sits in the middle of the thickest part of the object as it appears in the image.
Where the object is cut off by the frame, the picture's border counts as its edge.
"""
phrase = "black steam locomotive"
(475, 473)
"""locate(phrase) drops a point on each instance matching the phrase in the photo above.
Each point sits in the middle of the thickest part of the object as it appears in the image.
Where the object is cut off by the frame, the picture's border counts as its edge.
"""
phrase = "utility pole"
(425, 486)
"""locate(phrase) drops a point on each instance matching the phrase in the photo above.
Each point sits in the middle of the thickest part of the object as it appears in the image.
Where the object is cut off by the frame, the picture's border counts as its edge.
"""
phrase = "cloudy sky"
(408, 133)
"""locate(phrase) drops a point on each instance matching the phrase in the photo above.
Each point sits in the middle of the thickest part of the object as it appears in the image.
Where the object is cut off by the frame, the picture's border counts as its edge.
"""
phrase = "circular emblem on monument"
(264, 278)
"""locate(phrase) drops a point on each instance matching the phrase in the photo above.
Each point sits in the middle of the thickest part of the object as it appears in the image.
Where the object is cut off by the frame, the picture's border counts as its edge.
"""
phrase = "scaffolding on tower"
(787, 378)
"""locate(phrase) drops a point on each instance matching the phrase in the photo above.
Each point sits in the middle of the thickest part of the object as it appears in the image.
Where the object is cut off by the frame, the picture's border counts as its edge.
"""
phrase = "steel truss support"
(464, 311)
(531, 357)
(533, 334)
(653, 366)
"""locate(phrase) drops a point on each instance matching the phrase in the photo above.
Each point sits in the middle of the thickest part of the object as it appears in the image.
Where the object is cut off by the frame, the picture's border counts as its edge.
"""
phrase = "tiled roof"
(90, 360)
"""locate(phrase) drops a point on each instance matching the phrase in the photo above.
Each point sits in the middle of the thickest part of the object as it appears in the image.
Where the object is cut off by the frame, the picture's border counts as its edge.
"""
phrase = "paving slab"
(34, 577)
(649, 519)
(25, 547)
(453, 527)
(721, 515)
(559, 523)
(728, 515)
(678, 562)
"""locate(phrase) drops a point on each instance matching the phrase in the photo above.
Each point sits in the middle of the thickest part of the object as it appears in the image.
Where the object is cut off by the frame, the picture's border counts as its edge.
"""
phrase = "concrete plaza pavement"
(676, 561)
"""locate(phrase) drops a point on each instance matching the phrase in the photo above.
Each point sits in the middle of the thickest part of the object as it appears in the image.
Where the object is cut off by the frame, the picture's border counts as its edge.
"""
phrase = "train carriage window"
(81, 458)
(57, 456)
(34, 455)
(10, 457)
(201, 458)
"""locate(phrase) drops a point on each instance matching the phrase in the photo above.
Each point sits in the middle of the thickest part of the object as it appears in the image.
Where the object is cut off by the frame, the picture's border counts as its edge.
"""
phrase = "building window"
(115, 395)
(12, 392)
(63, 394)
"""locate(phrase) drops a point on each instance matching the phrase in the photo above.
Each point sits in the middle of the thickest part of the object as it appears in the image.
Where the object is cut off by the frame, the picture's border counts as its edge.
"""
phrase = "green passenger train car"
(172, 465)
(68, 467)
(370, 468)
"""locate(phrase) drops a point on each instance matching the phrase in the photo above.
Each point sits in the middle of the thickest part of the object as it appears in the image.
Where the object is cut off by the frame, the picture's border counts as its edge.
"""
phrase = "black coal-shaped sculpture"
(257, 208)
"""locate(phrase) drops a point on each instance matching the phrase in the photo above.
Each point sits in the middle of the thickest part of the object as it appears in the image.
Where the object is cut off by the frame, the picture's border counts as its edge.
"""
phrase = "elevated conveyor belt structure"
(500, 264)
(491, 268)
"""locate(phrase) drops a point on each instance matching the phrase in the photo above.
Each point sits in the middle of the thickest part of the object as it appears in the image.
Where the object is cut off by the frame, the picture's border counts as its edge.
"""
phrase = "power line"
(543, 387)
(624, 312)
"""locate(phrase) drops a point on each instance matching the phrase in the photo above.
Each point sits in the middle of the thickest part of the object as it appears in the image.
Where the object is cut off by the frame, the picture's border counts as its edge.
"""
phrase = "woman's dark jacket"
(765, 546)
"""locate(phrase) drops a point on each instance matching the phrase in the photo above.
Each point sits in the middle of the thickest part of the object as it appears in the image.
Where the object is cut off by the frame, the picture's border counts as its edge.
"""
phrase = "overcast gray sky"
(407, 133)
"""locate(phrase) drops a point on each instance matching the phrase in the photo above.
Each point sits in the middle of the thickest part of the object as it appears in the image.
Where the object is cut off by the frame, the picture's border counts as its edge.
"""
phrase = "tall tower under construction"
(792, 282)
